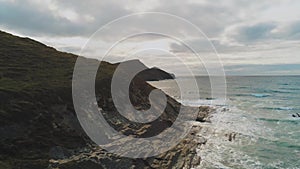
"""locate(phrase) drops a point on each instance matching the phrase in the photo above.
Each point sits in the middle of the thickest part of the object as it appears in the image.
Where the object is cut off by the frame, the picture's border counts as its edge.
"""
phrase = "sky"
(257, 37)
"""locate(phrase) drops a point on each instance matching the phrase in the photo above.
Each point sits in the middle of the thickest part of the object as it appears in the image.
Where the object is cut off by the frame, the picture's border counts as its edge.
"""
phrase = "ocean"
(254, 128)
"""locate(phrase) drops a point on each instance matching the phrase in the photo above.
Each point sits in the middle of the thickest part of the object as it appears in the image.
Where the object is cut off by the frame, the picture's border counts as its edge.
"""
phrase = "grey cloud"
(210, 17)
(248, 34)
(256, 32)
(191, 46)
(205, 46)
(28, 18)
(25, 18)
(213, 17)
(293, 31)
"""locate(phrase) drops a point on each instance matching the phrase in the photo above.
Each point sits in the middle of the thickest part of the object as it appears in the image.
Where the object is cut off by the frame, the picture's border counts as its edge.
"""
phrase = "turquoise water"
(260, 111)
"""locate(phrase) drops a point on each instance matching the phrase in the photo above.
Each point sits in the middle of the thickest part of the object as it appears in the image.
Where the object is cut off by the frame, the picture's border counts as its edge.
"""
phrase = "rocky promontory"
(39, 128)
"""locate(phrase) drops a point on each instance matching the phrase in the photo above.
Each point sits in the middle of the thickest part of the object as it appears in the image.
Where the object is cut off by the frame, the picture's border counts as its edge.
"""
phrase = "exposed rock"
(231, 136)
(204, 114)
(182, 156)
(152, 74)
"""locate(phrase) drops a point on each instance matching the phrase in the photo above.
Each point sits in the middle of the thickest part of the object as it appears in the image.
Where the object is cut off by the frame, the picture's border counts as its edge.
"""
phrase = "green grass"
(28, 65)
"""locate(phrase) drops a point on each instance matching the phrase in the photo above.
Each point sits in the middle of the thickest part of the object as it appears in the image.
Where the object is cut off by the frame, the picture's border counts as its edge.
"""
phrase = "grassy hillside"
(38, 123)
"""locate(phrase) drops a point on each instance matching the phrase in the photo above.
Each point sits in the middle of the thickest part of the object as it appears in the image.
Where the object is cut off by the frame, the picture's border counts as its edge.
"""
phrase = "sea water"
(258, 111)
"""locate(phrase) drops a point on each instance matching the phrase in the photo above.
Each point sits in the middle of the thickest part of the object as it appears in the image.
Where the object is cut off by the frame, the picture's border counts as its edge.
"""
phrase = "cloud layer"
(243, 32)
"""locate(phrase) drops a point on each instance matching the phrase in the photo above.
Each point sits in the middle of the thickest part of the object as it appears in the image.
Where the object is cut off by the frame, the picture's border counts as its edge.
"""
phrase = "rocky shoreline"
(183, 155)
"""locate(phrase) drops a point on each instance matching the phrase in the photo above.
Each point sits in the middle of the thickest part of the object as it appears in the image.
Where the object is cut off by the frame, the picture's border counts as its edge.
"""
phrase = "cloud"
(248, 34)
(242, 31)
(21, 17)
(82, 18)
(57, 18)
(253, 33)
(290, 31)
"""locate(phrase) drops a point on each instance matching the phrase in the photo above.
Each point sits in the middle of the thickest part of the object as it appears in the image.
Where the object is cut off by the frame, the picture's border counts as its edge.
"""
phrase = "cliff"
(38, 124)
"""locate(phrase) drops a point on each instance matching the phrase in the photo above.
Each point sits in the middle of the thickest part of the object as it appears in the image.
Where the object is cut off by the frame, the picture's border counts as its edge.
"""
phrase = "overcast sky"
(251, 36)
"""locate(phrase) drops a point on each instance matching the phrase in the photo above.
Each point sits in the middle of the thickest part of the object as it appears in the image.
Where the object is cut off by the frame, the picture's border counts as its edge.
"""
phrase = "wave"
(284, 108)
(280, 143)
(240, 94)
(242, 87)
(218, 152)
(203, 102)
(287, 144)
(279, 108)
(280, 91)
(284, 84)
(288, 88)
(294, 121)
(260, 95)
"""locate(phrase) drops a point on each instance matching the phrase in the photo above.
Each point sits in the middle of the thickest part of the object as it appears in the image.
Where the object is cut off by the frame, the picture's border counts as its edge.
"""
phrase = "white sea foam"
(260, 95)
(219, 152)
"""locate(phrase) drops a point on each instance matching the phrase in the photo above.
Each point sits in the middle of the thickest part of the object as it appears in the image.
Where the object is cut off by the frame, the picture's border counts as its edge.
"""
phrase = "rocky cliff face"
(38, 124)
(154, 74)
